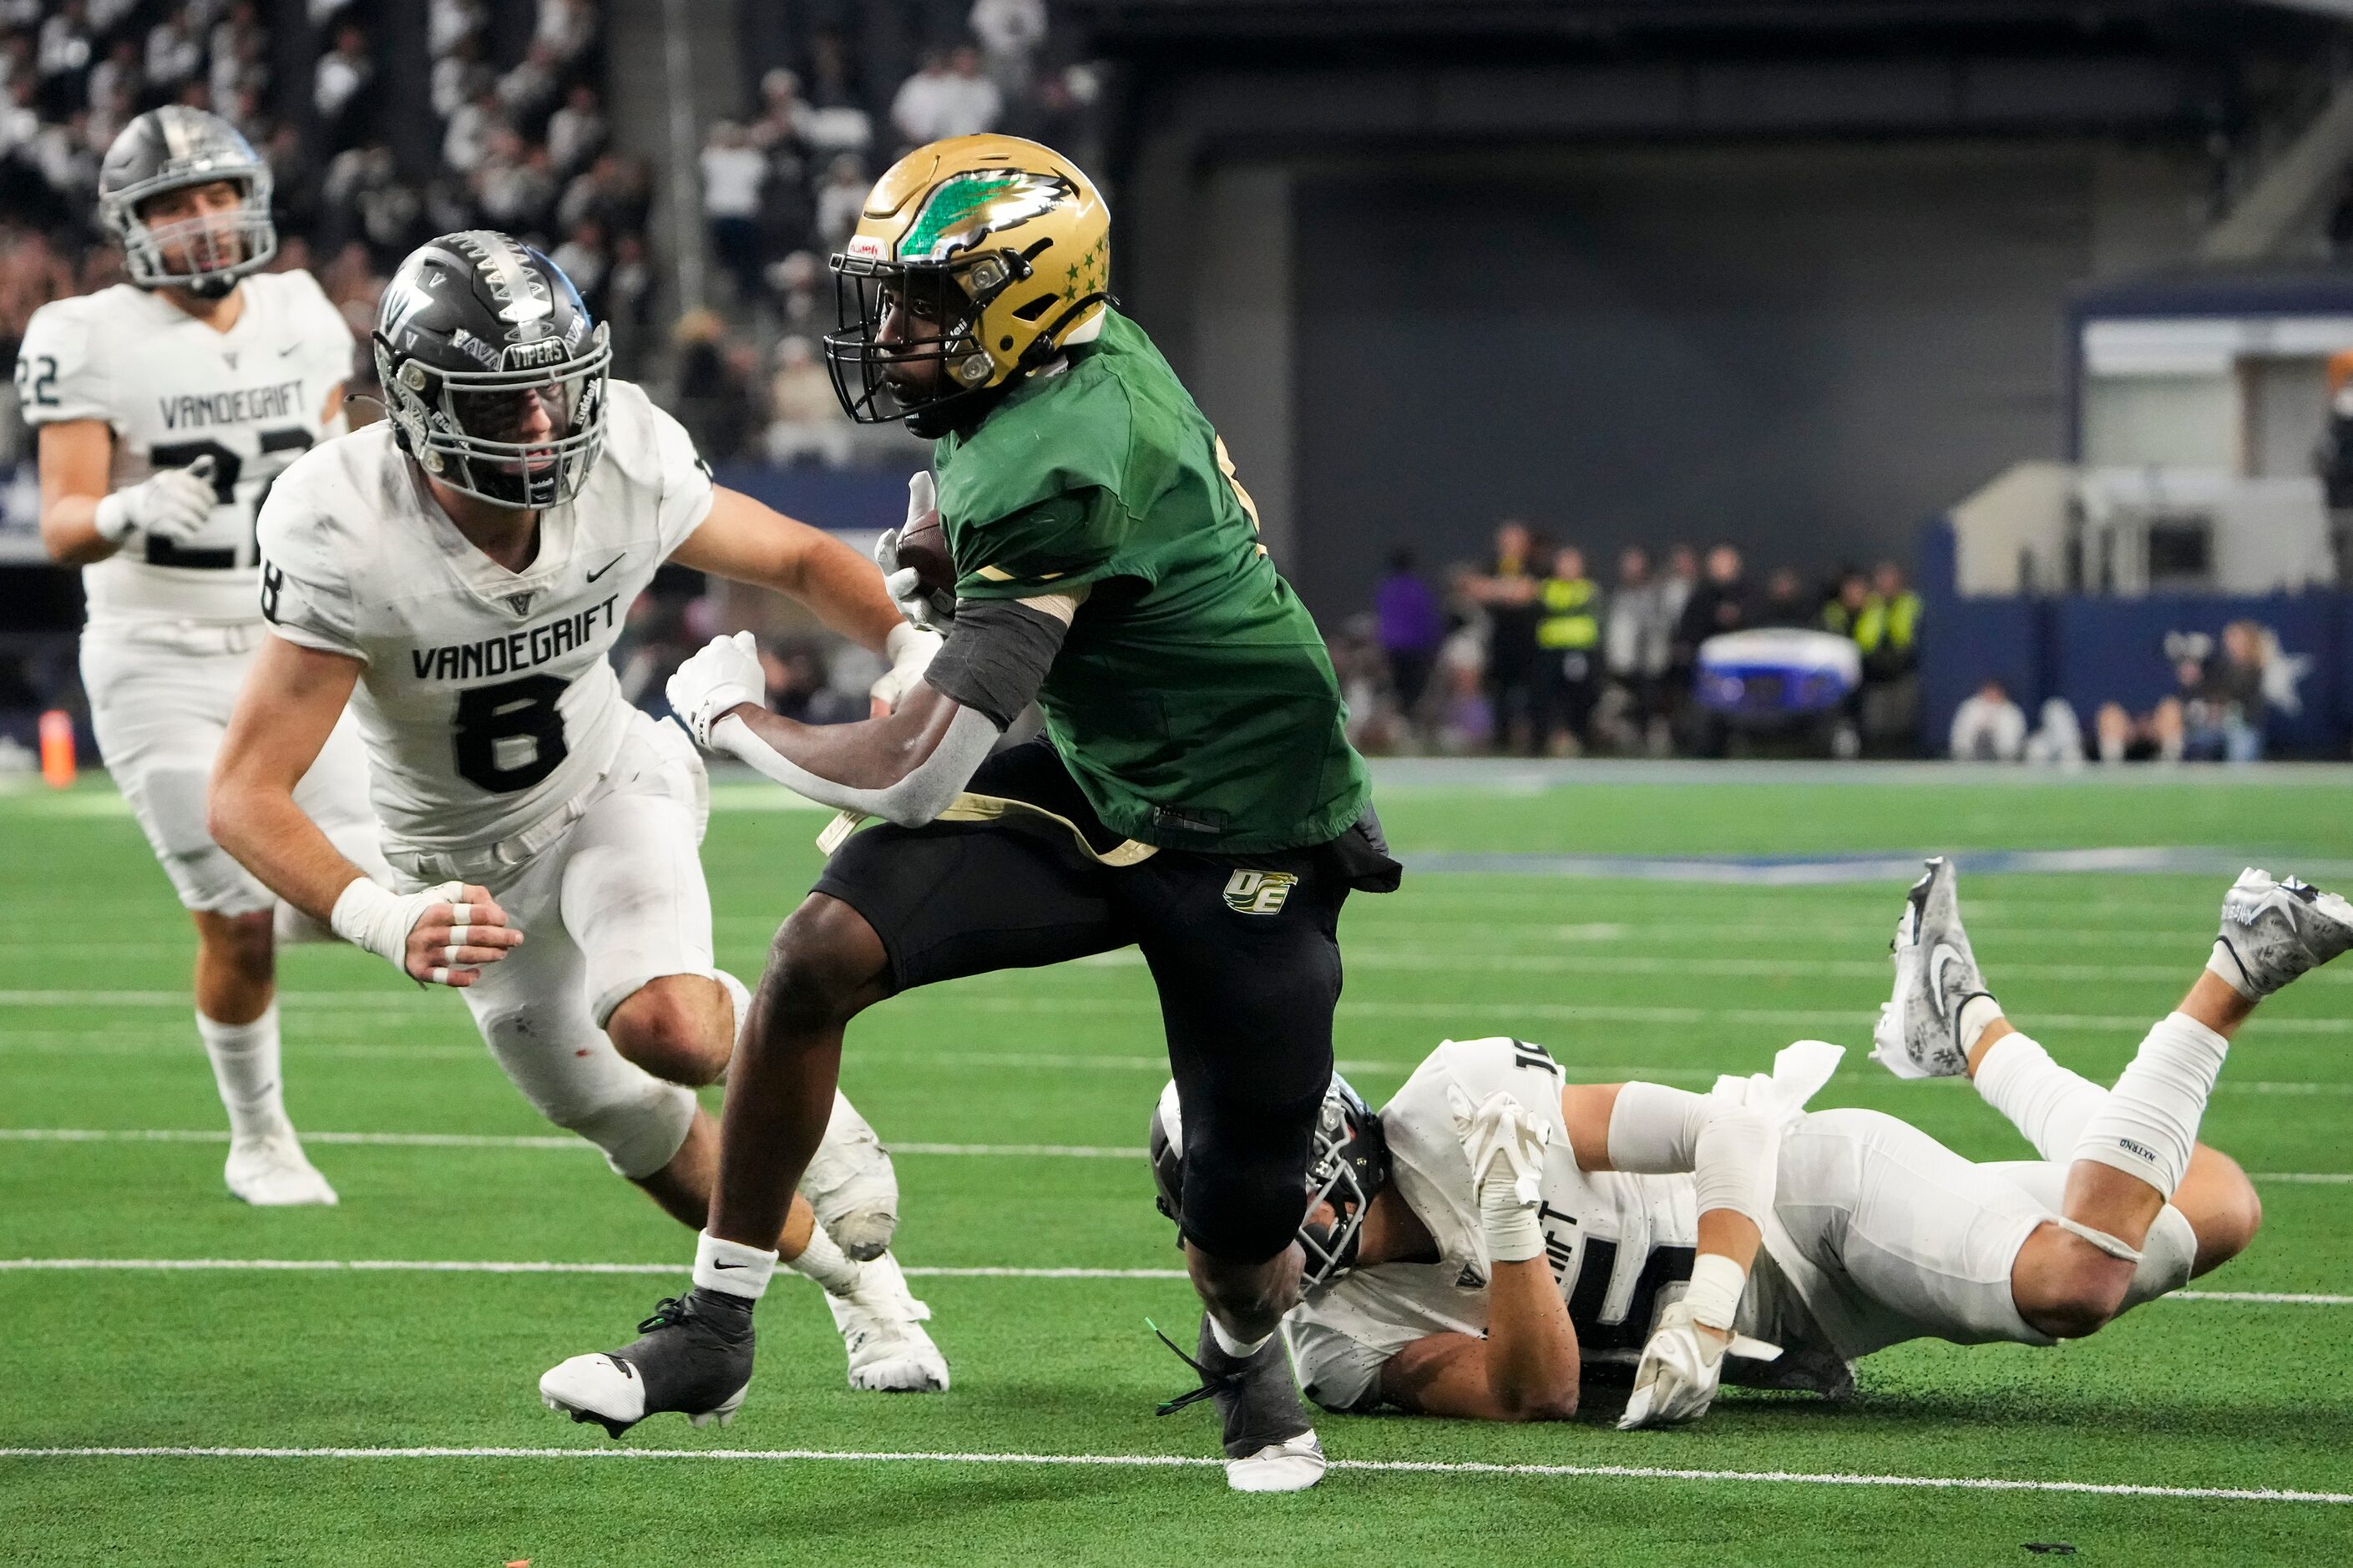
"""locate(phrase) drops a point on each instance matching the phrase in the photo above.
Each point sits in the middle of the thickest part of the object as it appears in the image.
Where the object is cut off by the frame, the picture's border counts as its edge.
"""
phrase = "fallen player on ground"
(1495, 1231)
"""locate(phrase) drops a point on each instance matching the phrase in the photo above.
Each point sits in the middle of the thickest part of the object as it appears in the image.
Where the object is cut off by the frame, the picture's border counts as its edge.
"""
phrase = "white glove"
(1682, 1367)
(1505, 1144)
(910, 651)
(724, 675)
(441, 936)
(174, 505)
(930, 612)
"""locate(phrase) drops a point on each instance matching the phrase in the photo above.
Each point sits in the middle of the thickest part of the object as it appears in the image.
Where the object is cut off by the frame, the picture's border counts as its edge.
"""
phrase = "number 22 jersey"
(171, 389)
(488, 701)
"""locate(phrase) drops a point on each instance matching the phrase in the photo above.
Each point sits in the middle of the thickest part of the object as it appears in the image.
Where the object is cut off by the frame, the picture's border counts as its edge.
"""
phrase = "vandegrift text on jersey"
(272, 400)
(516, 650)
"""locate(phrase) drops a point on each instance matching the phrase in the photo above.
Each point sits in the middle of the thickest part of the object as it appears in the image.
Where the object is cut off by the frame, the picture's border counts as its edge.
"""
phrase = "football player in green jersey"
(1195, 793)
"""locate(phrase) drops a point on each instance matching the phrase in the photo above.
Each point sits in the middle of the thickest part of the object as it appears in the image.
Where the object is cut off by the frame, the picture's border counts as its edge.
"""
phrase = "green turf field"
(1620, 977)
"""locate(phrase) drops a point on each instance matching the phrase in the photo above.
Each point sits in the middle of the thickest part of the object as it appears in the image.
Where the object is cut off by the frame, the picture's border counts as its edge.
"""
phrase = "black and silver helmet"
(172, 149)
(1347, 1168)
(476, 329)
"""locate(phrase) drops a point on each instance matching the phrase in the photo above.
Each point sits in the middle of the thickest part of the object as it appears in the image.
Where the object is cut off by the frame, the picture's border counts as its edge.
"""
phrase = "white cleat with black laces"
(1269, 1447)
(882, 1326)
(2275, 931)
(695, 1357)
(272, 1172)
(1919, 1034)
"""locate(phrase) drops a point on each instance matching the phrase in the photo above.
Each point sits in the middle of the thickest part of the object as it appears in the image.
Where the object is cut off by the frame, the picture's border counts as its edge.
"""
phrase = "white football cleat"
(1919, 1030)
(271, 1172)
(610, 1393)
(882, 1326)
(1291, 1466)
(851, 1185)
(2275, 931)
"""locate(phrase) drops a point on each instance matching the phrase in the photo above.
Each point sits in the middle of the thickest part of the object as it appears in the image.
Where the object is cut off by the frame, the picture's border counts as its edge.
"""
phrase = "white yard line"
(461, 1266)
(1180, 1461)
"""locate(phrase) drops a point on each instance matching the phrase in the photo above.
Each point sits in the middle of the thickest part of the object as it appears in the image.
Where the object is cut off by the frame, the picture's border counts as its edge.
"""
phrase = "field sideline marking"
(412, 1266)
(578, 1145)
(1184, 1461)
(1599, 1013)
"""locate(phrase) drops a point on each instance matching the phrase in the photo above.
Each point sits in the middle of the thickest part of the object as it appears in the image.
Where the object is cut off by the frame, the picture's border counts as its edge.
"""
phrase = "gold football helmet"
(974, 262)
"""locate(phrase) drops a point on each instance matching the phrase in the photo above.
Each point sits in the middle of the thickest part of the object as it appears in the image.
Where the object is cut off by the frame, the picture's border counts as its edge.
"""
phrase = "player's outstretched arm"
(286, 710)
(745, 542)
(906, 765)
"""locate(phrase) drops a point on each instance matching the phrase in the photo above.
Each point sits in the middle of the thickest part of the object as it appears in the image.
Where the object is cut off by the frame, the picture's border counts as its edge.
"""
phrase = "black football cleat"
(1269, 1447)
(695, 1357)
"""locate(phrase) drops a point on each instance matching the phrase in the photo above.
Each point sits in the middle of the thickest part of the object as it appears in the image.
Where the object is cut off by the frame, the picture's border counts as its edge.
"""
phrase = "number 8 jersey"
(172, 390)
(488, 701)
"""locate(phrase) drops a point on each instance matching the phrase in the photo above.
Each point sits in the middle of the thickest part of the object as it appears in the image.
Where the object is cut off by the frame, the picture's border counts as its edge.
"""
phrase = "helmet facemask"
(466, 428)
(212, 250)
(1348, 1167)
(927, 380)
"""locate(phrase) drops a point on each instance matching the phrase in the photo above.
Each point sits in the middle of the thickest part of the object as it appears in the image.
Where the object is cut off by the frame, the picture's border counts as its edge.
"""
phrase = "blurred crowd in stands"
(1533, 653)
(2223, 691)
(782, 190)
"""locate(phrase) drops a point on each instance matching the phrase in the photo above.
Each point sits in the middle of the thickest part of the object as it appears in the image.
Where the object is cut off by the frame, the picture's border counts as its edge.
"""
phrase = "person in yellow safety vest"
(1887, 631)
(1844, 611)
(1569, 650)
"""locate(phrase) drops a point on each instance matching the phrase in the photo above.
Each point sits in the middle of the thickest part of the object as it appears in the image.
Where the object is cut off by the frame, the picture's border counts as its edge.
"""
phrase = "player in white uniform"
(1496, 1230)
(458, 575)
(166, 406)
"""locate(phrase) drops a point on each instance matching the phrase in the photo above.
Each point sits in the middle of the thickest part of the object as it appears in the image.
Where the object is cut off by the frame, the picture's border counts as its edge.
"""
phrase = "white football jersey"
(1613, 1239)
(253, 399)
(488, 701)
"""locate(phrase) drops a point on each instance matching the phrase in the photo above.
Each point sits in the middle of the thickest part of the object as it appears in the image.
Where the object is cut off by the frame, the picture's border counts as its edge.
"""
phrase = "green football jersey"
(1193, 698)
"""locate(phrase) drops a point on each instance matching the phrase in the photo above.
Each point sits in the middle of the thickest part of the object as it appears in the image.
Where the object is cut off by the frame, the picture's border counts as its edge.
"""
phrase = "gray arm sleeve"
(996, 657)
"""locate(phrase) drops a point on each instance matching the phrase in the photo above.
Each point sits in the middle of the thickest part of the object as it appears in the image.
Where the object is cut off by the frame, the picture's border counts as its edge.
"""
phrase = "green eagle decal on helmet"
(966, 208)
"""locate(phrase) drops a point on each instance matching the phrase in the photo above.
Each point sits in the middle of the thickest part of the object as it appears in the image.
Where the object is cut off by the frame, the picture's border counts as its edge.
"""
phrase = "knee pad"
(638, 1134)
(1246, 1185)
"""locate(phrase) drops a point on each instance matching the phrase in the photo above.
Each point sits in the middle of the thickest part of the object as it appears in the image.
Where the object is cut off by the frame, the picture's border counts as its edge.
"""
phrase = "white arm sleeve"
(1731, 1150)
(914, 800)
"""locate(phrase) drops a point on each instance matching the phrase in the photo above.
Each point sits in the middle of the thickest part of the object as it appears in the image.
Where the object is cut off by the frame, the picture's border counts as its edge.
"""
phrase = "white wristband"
(1515, 1234)
(112, 519)
(1717, 1283)
(366, 916)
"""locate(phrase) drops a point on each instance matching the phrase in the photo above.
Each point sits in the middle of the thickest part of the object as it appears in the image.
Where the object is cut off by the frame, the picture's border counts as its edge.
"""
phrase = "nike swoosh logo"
(600, 571)
(1936, 961)
(288, 349)
(716, 1264)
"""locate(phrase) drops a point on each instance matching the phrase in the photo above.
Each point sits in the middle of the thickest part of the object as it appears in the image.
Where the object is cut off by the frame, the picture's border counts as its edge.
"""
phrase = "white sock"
(822, 1261)
(1241, 1350)
(245, 1065)
(2148, 1125)
(732, 1268)
(2047, 1103)
(1976, 1013)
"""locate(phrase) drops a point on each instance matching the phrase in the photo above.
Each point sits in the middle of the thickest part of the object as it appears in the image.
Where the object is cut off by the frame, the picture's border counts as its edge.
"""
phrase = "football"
(924, 546)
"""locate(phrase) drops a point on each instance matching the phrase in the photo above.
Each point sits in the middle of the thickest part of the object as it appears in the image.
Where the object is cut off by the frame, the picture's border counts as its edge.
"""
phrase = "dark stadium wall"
(1805, 349)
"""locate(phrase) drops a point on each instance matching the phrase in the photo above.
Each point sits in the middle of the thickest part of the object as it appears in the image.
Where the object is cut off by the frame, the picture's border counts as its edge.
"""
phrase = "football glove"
(726, 674)
(909, 649)
(1505, 1142)
(930, 612)
(174, 505)
(1681, 1369)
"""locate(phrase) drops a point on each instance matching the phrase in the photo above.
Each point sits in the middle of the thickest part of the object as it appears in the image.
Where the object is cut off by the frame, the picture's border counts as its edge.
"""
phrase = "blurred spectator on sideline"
(1847, 602)
(2223, 707)
(584, 259)
(732, 172)
(1568, 654)
(805, 418)
(1988, 727)
(1409, 629)
(1009, 32)
(342, 72)
(1887, 633)
(840, 199)
(947, 95)
(798, 687)
(1785, 603)
(575, 133)
(2058, 741)
(1718, 605)
(795, 280)
(2156, 736)
(713, 392)
(1508, 592)
(1636, 639)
